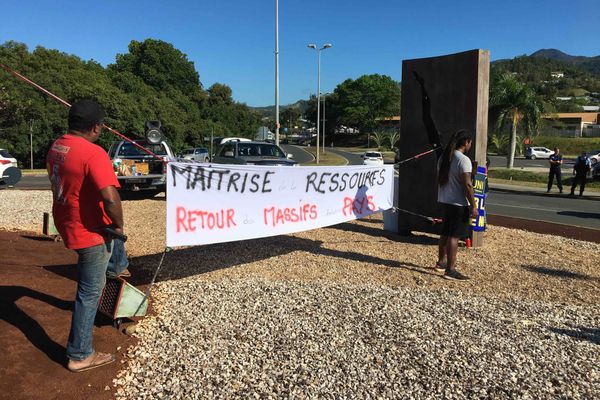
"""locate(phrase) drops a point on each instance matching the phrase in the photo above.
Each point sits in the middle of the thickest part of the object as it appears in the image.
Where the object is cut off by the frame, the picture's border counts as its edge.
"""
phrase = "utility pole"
(31, 122)
(277, 72)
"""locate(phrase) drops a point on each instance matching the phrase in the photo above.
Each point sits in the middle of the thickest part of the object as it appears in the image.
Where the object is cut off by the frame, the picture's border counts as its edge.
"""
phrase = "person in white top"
(455, 193)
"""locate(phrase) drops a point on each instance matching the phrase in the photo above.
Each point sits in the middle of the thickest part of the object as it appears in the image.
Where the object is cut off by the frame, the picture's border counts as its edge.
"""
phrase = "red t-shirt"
(78, 170)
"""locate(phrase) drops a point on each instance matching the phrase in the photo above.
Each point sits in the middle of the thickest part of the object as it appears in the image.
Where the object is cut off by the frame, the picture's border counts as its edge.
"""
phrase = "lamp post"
(277, 72)
(31, 122)
(314, 46)
(324, 118)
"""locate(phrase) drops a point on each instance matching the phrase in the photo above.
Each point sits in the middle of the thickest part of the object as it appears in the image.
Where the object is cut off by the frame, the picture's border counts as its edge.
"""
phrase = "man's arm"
(112, 206)
(468, 187)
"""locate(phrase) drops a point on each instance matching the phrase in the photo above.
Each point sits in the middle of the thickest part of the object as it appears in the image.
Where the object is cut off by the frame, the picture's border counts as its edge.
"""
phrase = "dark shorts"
(456, 221)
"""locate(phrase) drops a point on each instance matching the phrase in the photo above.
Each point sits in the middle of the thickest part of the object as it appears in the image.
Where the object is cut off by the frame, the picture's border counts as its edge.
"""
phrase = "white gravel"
(264, 339)
(351, 312)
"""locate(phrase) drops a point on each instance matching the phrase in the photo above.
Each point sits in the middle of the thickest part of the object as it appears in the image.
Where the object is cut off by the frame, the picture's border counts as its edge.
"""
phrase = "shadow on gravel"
(559, 273)
(196, 260)
(579, 214)
(379, 232)
(582, 333)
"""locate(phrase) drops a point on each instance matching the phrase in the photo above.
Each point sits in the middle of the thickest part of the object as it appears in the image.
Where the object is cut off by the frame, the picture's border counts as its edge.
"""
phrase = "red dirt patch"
(37, 288)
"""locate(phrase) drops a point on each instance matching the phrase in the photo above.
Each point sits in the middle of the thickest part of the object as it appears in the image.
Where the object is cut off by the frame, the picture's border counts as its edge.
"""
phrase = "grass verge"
(325, 159)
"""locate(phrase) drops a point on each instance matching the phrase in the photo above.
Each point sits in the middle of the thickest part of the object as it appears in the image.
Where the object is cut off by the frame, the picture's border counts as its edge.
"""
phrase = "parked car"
(137, 170)
(10, 173)
(196, 154)
(538, 152)
(596, 171)
(372, 158)
(594, 156)
(257, 153)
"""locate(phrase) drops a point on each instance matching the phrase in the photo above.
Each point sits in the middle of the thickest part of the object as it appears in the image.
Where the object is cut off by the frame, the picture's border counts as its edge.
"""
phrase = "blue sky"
(232, 42)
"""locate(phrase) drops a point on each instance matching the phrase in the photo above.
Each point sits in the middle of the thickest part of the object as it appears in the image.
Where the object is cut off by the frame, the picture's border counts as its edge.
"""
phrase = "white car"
(538, 152)
(10, 173)
(372, 158)
(594, 156)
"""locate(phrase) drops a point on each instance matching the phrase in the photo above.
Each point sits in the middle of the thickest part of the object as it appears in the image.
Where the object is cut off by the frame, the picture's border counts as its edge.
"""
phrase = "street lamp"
(314, 46)
(277, 72)
(324, 118)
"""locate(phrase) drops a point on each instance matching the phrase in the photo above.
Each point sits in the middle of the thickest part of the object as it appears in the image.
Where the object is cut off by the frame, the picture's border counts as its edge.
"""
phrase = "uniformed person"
(556, 161)
(582, 166)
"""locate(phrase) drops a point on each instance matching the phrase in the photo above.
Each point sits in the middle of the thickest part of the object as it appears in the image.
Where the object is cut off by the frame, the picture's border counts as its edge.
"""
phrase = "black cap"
(84, 114)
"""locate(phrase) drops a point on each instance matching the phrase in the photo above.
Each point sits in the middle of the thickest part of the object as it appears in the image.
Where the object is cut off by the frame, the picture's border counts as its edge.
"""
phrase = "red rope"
(55, 97)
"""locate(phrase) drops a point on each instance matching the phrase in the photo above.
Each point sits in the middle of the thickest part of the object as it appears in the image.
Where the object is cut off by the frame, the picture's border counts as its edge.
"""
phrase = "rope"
(149, 288)
(67, 105)
(433, 220)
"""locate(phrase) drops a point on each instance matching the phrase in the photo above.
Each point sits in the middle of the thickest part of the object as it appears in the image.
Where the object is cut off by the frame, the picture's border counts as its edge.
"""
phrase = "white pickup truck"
(138, 170)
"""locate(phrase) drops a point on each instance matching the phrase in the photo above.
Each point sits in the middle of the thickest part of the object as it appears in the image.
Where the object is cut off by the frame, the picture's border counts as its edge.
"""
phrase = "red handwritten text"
(358, 205)
(276, 216)
(190, 220)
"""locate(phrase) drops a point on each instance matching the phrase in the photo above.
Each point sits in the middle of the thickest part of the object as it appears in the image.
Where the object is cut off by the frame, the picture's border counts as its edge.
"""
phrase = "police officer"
(581, 168)
(556, 161)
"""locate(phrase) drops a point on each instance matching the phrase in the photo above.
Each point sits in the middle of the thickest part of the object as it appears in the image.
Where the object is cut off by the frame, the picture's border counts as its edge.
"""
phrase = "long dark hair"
(459, 139)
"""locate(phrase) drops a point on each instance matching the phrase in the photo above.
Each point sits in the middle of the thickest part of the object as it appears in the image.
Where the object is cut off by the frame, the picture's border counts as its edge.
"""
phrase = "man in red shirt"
(85, 200)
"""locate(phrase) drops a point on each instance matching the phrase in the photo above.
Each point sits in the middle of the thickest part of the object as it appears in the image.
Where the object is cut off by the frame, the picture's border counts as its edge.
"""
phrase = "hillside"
(590, 64)
(269, 111)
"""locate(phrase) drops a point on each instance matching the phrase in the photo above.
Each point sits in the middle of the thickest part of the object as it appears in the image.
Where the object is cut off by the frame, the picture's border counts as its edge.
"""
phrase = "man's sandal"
(95, 360)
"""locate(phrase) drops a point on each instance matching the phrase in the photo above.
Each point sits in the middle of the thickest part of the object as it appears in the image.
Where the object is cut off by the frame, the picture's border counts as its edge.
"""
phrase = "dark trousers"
(579, 179)
(555, 172)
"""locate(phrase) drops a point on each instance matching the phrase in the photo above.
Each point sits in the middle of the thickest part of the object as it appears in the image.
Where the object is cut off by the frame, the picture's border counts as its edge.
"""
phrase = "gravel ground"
(263, 339)
(351, 311)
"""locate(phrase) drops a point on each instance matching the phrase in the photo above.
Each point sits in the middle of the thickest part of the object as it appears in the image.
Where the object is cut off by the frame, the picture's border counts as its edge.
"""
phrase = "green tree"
(516, 104)
(363, 101)
(393, 137)
(379, 138)
(160, 65)
(289, 118)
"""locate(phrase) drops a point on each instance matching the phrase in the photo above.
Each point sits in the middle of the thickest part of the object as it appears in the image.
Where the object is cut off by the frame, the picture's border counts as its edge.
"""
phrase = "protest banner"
(214, 203)
(478, 224)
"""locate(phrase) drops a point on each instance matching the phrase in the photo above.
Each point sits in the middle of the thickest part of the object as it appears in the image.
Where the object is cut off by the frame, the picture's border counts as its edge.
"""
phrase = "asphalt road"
(555, 209)
(300, 155)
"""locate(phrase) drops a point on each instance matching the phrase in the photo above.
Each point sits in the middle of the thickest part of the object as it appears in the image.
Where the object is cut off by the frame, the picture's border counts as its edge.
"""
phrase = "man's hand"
(474, 212)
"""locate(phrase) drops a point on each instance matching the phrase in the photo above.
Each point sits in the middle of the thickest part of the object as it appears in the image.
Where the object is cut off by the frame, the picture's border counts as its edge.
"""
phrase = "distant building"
(564, 98)
(557, 74)
(585, 124)
(591, 108)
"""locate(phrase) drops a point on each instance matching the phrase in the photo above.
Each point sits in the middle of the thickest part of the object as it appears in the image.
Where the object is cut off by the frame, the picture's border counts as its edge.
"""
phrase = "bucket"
(120, 300)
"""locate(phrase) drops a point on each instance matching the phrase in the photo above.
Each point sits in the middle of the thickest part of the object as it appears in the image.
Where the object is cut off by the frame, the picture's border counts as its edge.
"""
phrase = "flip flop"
(95, 360)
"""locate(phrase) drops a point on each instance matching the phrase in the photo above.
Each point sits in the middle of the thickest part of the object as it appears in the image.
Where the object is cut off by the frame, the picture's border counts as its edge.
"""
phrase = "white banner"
(213, 203)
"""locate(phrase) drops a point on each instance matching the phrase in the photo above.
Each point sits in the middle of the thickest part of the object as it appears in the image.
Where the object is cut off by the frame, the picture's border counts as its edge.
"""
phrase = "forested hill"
(537, 72)
(269, 111)
(153, 80)
(590, 64)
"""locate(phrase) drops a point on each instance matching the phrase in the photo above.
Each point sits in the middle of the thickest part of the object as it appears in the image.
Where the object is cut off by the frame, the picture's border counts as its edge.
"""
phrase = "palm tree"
(515, 103)
(393, 137)
(378, 137)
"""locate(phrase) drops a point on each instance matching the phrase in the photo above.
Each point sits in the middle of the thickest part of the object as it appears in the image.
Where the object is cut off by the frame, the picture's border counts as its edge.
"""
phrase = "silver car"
(196, 154)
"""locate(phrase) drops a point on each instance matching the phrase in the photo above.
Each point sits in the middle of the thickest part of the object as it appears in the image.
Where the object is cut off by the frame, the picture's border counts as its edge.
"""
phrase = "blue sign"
(478, 224)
